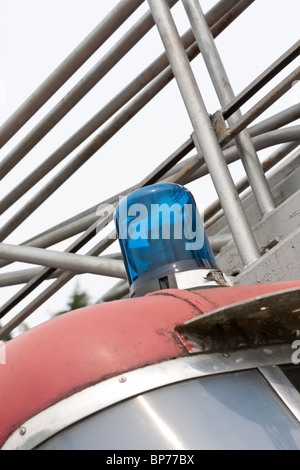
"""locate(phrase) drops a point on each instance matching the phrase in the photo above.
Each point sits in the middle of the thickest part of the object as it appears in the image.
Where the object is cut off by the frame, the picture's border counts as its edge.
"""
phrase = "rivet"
(122, 380)
(22, 431)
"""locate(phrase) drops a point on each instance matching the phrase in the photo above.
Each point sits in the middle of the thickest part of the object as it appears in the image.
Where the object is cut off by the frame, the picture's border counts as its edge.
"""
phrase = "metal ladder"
(247, 232)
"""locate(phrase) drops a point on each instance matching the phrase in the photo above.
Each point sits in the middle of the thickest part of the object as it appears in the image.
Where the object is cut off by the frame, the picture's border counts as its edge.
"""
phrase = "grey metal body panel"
(281, 187)
(271, 232)
(281, 263)
(276, 233)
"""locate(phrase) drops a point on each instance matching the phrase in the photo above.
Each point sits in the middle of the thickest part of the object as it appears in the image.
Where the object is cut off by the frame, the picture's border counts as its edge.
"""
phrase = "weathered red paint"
(73, 351)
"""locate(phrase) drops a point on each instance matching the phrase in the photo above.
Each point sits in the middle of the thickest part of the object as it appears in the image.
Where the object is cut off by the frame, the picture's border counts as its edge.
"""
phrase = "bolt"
(22, 431)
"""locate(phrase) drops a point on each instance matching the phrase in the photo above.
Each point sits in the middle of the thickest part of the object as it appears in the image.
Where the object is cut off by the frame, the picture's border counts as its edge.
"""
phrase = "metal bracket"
(220, 126)
(264, 320)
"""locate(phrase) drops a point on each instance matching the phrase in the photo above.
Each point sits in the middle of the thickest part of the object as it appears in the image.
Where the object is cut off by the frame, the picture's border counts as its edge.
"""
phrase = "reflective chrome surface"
(115, 390)
(283, 387)
(232, 411)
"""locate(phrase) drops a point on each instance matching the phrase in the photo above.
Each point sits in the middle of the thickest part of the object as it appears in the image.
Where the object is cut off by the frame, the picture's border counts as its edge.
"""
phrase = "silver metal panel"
(112, 391)
(231, 412)
(283, 387)
(282, 263)
(285, 189)
(279, 183)
(194, 278)
(270, 231)
(266, 319)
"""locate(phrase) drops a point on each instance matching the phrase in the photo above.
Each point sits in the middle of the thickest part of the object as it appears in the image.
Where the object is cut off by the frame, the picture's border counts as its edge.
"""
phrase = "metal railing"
(219, 140)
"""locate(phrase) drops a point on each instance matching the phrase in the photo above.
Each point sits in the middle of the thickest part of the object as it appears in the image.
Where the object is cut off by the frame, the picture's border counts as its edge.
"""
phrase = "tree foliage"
(7, 338)
(78, 299)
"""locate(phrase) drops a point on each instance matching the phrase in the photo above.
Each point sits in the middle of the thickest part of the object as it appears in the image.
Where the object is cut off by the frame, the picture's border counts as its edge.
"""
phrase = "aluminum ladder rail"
(217, 147)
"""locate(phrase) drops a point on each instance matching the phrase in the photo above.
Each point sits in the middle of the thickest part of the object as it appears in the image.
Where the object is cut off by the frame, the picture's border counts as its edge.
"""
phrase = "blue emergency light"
(161, 236)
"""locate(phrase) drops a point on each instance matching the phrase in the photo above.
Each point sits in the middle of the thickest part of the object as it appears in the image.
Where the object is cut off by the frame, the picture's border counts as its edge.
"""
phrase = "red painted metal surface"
(76, 350)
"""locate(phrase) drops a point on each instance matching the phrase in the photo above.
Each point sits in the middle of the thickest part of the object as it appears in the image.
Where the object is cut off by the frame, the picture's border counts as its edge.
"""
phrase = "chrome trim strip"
(283, 388)
(93, 399)
(194, 278)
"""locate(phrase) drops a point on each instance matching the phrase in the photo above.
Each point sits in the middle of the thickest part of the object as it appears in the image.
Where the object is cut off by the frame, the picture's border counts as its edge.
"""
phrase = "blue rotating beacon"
(163, 241)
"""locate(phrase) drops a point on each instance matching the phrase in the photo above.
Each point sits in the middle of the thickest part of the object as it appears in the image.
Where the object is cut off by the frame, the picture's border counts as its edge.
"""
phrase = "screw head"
(22, 431)
(122, 380)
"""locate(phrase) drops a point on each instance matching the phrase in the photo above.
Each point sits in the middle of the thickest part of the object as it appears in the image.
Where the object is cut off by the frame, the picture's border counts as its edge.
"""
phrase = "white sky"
(35, 36)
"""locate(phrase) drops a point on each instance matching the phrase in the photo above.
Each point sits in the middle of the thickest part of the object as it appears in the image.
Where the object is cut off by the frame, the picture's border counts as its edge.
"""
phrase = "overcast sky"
(35, 36)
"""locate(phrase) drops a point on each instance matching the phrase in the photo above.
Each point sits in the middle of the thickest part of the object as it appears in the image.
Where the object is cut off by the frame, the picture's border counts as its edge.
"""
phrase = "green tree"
(21, 329)
(7, 338)
(78, 299)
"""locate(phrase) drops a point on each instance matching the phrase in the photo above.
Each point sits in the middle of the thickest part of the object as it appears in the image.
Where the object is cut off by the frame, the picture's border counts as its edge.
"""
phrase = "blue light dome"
(160, 232)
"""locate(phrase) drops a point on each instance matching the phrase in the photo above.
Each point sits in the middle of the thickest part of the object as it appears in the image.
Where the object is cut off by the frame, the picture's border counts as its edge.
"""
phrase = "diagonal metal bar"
(262, 80)
(219, 77)
(83, 156)
(68, 67)
(220, 26)
(118, 51)
(120, 100)
(23, 276)
(275, 158)
(43, 275)
(276, 121)
(80, 222)
(262, 105)
(74, 227)
(206, 140)
(263, 130)
(196, 167)
(63, 279)
(67, 261)
(107, 133)
(118, 291)
(83, 221)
